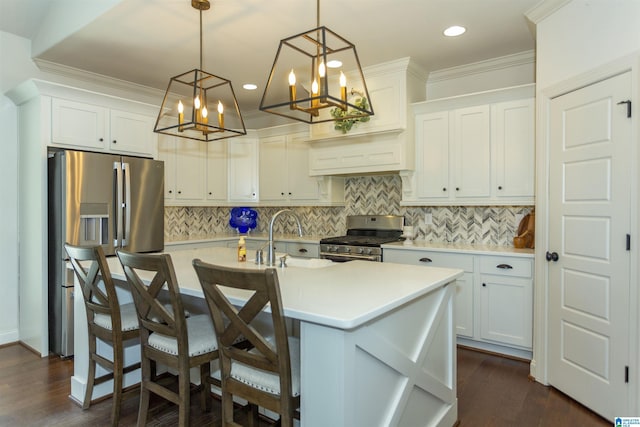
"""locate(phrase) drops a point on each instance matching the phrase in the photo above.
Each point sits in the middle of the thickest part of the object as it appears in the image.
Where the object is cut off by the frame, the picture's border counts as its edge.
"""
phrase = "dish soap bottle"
(242, 250)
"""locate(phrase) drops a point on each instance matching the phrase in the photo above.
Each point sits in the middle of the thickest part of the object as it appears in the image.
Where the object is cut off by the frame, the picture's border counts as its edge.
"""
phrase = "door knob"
(552, 256)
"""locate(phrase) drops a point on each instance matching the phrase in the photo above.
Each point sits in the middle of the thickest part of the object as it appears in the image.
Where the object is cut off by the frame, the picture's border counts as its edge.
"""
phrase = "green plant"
(353, 116)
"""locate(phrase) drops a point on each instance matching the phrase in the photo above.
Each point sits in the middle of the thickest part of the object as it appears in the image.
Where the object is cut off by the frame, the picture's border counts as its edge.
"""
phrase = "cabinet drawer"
(306, 250)
(429, 258)
(506, 266)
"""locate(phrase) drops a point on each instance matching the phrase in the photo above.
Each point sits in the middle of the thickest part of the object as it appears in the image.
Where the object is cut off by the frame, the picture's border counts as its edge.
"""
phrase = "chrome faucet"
(271, 253)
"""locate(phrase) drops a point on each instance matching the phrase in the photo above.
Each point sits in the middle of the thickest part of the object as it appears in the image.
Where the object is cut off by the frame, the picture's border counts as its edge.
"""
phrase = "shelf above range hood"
(386, 142)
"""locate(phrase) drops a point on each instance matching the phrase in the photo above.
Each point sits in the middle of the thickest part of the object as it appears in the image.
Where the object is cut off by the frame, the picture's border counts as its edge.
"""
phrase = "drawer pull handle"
(425, 259)
(302, 250)
(504, 266)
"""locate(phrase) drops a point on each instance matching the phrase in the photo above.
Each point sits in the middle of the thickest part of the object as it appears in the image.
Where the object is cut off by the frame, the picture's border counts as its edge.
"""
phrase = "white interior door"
(589, 218)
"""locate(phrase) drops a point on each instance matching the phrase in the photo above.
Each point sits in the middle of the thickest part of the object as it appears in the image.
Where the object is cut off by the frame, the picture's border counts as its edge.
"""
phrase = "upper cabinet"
(385, 142)
(284, 173)
(87, 126)
(474, 150)
(243, 169)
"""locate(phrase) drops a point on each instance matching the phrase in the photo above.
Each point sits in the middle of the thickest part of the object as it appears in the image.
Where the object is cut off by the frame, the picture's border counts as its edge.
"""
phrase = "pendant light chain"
(201, 39)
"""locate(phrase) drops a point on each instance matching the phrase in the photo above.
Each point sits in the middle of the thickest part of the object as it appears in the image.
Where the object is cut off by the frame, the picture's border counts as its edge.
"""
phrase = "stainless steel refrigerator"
(111, 200)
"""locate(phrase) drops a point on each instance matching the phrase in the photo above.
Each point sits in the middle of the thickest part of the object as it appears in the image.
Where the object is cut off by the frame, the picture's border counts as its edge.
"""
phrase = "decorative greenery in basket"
(355, 116)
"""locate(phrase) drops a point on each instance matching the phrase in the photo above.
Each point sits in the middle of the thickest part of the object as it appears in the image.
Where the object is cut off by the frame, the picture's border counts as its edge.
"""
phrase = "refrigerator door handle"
(126, 170)
(117, 166)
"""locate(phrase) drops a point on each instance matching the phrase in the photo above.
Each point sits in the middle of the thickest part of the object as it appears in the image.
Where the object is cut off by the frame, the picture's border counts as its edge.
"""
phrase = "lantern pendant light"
(199, 105)
(310, 77)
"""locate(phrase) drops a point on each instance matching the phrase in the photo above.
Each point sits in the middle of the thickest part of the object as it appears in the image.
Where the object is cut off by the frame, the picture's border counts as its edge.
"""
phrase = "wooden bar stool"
(267, 373)
(106, 319)
(167, 336)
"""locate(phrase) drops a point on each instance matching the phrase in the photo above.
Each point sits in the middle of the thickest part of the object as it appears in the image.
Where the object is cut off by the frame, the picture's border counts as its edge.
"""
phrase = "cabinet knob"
(484, 284)
(444, 188)
(504, 266)
(101, 139)
(170, 191)
(425, 259)
(289, 192)
(457, 188)
(114, 141)
(210, 193)
(179, 192)
(282, 193)
(499, 187)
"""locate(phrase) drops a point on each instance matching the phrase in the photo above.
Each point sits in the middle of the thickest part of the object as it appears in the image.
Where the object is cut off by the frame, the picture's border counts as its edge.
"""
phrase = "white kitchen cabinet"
(217, 171)
(284, 172)
(464, 312)
(473, 150)
(513, 136)
(284, 169)
(93, 127)
(243, 169)
(184, 170)
(470, 172)
(494, 297)
(506, 301)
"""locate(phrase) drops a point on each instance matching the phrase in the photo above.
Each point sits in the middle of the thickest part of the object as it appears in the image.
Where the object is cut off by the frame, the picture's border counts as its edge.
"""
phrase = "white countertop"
(423, 245)
(341, 295)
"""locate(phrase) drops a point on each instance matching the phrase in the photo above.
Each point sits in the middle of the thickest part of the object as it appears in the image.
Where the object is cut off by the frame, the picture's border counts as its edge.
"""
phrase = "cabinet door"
(77, 124)
(131, 133)
(300, 185)
(217, 170)
(432, 155)
(514, 147)
(471, 141)
(506, 306)
(464, 305)
(167, 153)
(273, 168)
(243, 169)
(190, 163)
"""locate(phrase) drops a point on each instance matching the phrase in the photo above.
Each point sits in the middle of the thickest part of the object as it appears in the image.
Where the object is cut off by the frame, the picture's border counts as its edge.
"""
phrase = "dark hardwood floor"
(492, 391)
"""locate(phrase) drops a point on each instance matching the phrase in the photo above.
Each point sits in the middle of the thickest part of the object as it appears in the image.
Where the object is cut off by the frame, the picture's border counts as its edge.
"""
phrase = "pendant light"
(316, 77)
(199, 105)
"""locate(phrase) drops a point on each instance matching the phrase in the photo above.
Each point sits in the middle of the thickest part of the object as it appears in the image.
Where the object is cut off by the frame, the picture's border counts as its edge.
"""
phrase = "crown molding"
(516, 59)
(544, 9)
(93, 81)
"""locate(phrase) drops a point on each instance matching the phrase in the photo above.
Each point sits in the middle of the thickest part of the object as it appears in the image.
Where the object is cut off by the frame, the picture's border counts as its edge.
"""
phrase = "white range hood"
(383, 144)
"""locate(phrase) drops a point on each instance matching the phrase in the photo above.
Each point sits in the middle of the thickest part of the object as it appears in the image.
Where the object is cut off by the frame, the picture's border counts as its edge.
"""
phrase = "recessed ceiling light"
(454, 30)
(334, 64)
(249, 86)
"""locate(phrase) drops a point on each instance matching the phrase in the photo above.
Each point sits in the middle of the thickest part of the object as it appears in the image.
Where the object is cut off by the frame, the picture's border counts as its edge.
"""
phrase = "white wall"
(8, 223)
(17, 67)
(505, 71)
(583, 35)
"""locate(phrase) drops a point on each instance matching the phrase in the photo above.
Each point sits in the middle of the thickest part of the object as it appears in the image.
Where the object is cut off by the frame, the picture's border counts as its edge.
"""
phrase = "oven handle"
(345, 258)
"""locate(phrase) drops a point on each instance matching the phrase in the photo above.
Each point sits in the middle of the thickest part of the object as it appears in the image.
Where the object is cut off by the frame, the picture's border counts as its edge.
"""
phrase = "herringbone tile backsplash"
(364, 195)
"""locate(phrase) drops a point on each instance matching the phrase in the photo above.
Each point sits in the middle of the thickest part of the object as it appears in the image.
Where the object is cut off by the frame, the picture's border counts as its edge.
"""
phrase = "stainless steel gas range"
(365, 236)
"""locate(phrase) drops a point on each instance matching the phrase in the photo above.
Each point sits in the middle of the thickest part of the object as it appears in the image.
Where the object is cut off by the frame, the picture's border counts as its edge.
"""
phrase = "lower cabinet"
(464, 285)
(494, 297)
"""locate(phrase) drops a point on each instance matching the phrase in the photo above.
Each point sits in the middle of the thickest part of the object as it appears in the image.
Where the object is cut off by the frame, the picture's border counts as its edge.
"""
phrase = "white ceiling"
(149, 41)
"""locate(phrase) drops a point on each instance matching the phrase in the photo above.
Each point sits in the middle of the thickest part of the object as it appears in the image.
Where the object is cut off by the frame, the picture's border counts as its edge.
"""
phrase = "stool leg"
(91, 376)
(145, 372)
(118, 366)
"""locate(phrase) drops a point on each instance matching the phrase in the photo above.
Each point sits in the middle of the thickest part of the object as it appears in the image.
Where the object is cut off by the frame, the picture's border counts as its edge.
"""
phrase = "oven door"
(350, 257)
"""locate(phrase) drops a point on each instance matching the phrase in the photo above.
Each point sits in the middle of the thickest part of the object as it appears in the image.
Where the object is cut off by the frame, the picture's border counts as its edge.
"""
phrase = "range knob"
(369, 251)
(347, 249)
(333, 249)
(360, 250)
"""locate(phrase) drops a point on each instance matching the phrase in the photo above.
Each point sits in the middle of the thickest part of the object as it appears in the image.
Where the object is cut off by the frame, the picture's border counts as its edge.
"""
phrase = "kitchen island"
(377, 340)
